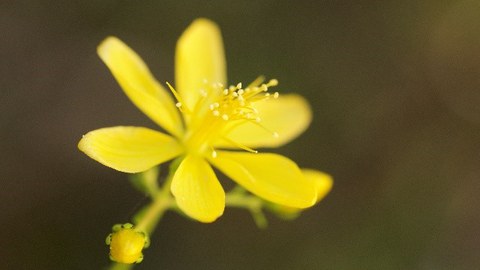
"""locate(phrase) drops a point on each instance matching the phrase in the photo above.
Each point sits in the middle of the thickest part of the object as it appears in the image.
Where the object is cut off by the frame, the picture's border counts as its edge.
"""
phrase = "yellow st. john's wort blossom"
(208, 122)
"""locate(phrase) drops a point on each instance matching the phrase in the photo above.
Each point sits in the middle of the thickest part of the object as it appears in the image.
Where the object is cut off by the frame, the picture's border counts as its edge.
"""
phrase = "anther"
(275, 95)
(225, 117)
(272, 82)
(178, 104)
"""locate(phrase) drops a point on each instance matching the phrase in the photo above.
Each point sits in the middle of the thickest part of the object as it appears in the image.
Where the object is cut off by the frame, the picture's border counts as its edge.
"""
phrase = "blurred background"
(395, 90)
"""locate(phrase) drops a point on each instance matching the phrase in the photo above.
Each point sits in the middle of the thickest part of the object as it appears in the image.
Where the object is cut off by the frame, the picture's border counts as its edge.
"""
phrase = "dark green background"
(395, 90)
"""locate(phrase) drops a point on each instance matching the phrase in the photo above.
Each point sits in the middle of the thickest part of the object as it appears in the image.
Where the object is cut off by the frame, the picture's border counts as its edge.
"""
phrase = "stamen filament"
(180, 102)
(239, 145)
(274, 133)
(257, 81)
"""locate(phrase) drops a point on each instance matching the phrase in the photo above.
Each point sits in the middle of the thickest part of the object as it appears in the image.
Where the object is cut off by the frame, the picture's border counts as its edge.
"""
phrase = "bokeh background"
(395, 90)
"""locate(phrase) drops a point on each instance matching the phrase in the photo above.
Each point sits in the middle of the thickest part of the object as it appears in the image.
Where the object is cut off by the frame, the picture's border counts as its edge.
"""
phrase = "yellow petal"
(129, 149)
(272, 177)
(139, 84)
(288, 116)
(197, 190)
(199, 56)
(323, 182)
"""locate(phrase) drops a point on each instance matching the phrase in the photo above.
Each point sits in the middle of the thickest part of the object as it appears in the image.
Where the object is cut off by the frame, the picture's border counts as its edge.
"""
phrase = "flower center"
(220, 110)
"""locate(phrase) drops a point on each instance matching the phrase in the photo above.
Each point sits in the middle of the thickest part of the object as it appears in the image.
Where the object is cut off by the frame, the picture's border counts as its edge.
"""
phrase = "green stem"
(238, 198)
(161, 202)
(241, 200)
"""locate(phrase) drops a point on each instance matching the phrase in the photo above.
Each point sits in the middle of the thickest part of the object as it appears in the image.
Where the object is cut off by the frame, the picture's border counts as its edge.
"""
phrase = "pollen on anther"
(275, 134)
(239, 85)
(275, 95)
(214, 154)
(216, 113)
(225, 117)
(178, 104)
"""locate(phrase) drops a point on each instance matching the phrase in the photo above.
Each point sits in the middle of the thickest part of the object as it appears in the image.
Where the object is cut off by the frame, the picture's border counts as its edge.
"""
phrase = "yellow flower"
(205, 118)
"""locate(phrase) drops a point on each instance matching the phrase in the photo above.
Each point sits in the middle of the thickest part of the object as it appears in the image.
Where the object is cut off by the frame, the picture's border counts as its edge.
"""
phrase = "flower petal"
(288, 116)
(129, 149)
(199, 56)
(270, 176)
(197, 190)
(139, 84)
(323, 182)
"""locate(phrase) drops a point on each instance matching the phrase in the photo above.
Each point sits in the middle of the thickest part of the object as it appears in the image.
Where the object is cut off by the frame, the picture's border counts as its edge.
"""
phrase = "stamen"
(233, 105)
(274, 133)
(179, 99)
(256, 82)
(241, 146)
(272, 82)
